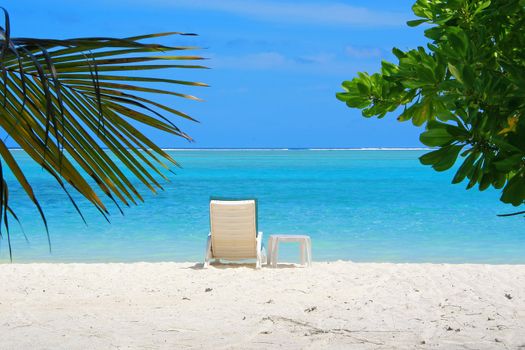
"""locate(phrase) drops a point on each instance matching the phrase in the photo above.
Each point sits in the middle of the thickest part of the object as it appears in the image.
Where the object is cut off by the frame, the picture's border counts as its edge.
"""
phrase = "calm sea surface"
(356, 205)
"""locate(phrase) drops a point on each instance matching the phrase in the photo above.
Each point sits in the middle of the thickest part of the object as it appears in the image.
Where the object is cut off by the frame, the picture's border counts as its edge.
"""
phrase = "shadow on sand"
(236, 265)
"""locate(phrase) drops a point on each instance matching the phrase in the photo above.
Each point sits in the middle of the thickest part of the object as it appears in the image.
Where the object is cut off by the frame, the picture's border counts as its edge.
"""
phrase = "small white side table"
(306, 248)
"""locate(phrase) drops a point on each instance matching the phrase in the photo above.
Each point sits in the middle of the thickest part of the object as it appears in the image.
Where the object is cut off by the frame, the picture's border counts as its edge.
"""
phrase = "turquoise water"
(356, 205)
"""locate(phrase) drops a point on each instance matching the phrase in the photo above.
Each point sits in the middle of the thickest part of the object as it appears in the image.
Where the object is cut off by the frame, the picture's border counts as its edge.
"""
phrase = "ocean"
(359, 205)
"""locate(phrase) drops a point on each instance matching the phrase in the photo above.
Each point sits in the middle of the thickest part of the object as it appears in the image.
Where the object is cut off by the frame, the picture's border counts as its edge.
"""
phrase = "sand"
(338, 305)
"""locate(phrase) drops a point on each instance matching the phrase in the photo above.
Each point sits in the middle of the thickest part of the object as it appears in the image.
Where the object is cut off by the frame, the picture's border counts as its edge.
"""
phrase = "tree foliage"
(78, 108)
(467, 87)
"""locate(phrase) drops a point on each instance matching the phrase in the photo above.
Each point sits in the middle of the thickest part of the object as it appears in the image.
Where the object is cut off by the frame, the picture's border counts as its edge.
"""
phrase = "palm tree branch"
(61, 106)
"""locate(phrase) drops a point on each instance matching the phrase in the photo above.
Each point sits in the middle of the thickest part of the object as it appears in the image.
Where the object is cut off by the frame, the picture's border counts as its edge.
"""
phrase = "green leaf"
(431, 158)
(509, 163)
(434, 33)
(455, 71)
(475, 174)
(416, 22)
(465, 168)
(441, 159)
(423, 113)
(499, 180)
(485, 181)
(398, 53)
(482, 6)
(468, 76)
(457, 39)
(342, 96)
(388, 68)
(449, 157)
(435, 137)
(514, 191)
(363, 88)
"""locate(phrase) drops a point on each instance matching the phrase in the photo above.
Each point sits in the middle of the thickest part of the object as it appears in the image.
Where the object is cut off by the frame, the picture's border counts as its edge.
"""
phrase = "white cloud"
(320, 58)
(362, 52)
(260, 60)
(323, 63)
(327, 13)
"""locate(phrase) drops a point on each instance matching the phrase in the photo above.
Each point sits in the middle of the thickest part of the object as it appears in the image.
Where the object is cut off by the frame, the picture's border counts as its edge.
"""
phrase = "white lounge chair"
(233, 232)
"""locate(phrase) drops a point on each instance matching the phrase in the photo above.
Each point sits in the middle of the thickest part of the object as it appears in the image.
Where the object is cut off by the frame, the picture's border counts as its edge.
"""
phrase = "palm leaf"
(61, 107)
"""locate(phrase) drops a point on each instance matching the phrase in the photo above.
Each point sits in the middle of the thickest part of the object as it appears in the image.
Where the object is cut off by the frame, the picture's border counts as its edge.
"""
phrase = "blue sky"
(276, 65)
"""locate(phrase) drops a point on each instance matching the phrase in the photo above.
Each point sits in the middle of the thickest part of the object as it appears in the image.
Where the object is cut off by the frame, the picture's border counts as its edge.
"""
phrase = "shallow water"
(356, 205)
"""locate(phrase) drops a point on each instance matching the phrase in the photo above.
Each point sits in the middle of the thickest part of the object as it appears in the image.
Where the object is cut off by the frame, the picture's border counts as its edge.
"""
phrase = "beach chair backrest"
(233, 225)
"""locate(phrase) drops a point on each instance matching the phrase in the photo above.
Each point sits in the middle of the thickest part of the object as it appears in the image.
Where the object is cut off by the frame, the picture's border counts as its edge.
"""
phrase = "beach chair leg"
(207, 255)
(258, 263)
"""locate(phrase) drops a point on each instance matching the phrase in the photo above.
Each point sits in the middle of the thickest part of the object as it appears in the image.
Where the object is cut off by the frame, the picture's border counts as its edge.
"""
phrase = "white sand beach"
(338, 305)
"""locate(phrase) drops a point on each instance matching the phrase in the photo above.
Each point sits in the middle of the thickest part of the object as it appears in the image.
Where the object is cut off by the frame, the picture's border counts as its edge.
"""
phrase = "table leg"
(309, 251)
(270, 252)
(275, 254)
(303, 252)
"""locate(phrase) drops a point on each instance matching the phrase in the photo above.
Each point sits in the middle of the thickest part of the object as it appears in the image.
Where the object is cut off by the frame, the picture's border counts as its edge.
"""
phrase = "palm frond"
(65, 102)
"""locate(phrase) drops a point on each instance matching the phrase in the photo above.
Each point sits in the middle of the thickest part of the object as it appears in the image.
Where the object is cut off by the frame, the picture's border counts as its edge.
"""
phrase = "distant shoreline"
(289, 149)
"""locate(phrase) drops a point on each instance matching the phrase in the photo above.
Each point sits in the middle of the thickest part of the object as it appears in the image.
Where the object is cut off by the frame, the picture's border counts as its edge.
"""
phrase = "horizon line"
(279, 149)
